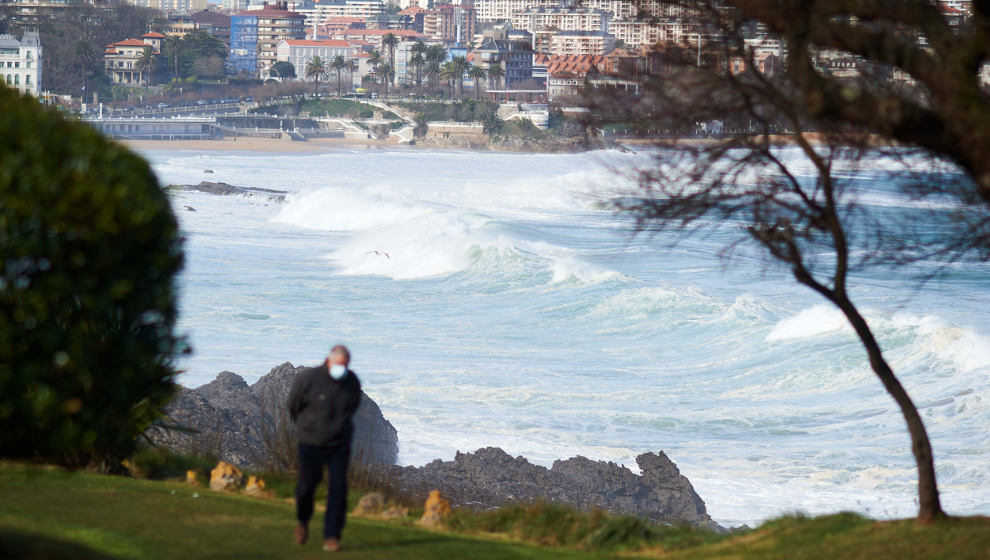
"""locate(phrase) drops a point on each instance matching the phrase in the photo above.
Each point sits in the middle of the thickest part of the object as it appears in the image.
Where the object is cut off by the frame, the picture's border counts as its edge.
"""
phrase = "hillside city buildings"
(557, 45)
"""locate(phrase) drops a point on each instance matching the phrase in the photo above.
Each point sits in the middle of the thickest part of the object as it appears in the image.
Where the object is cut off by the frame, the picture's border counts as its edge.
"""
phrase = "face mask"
(338, 371)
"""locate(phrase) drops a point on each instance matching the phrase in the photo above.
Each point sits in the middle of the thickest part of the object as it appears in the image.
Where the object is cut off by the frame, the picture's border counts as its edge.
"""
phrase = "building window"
(10, 80)
(17, 79)
(27, 80)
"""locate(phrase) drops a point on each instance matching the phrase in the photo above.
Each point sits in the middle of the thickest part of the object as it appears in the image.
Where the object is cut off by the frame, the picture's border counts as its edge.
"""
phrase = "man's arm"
(296, 402)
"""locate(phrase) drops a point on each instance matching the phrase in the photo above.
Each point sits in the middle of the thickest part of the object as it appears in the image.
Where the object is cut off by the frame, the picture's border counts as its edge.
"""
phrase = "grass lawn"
(54, 514)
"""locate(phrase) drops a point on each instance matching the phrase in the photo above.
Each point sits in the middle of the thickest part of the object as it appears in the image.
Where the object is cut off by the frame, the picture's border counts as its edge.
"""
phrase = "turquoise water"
(513, 311)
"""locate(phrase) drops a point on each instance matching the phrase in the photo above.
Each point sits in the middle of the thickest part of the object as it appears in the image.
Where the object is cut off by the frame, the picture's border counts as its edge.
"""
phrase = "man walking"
(321, 403)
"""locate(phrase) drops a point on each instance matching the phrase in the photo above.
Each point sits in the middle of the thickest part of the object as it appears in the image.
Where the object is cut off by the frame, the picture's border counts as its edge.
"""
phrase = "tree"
(337, 64)
(374, 59)
(173, 45)
(88, 307)
(197, 46)
(491, 124)
(417, 61)
(495, 74)
(422, 121)
(951, 114)
(433, 72)
(435, 56)
(451, 72)
(477, 73)
(316, 69)
(385, 73)
(147, 63)
(814, 227)
(284, 70)
(390, 41)
(85, 55)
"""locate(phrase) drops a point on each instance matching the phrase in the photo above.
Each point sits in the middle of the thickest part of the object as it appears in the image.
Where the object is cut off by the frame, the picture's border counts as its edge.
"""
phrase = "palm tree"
(390, 41)
(433, 71)
(419, 47)
(417, 61)
(495, 74)
(460, 67)
(435, 55)
(385, 73)
(147, 61)
(352, 67)
(477, 73)
(174, 45)
(84, 53)
(450, 72)
(317, 68)
(374, 59)
(337, 64)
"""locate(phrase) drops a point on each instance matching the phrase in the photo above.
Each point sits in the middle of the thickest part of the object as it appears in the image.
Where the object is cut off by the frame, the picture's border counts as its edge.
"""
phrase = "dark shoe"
(302, 533)
(331, 545)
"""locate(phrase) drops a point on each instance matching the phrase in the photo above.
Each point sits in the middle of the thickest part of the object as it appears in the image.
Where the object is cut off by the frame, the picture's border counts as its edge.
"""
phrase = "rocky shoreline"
(246, 425)
(490, 477)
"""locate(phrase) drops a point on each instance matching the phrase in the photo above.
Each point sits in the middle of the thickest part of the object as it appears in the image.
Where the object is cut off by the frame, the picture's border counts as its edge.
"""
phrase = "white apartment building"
(634, 33)
(630, 8)
(502, 10)
(172, 6)
(319, 13)
(581, 43)
(579, 19)
(299, 52)
(20, 62)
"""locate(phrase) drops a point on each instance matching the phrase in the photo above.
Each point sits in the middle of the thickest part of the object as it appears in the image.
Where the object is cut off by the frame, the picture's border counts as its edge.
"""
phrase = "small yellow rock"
(437, 509)
(192, 477)
(226, 477)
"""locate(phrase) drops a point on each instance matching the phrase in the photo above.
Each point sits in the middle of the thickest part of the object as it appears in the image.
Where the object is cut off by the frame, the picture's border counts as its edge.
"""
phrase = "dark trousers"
(312, 459)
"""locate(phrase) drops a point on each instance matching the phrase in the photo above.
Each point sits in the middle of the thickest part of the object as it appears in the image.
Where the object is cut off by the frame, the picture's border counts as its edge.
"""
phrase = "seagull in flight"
(380, 253)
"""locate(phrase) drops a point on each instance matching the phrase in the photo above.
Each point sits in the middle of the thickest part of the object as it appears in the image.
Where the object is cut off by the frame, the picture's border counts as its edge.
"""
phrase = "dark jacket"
(322, 407)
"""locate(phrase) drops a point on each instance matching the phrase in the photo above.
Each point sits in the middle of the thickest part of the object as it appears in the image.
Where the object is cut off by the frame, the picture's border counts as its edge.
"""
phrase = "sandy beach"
(243, 144)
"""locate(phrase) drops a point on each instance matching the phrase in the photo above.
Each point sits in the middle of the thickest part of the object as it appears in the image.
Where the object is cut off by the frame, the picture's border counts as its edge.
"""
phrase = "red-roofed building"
(121, 59)
(579, 65)
(335, 25)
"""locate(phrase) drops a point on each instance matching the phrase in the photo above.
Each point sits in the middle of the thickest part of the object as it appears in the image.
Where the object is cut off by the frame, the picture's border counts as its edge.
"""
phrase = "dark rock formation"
(489, 478)
(225, 189)
(247, 425)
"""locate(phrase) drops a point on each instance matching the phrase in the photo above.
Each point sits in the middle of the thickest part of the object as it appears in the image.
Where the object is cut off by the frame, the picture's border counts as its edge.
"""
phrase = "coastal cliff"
(490, 477)
(246, 425)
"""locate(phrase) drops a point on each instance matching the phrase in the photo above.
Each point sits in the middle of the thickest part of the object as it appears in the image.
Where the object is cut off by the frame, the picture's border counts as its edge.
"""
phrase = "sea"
(496, 299)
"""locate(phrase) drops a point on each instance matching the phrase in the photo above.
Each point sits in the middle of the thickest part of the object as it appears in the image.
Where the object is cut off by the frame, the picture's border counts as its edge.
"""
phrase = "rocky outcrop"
(490, 477)
(248, 425)
(224, 189)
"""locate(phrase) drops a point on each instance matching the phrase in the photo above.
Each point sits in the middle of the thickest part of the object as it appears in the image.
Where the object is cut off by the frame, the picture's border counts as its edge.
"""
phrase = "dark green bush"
(160, 464)
(89, 249)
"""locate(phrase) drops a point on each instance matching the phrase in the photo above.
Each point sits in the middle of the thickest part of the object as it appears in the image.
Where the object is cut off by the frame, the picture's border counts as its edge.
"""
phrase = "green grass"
(848, 536)
(56, 514)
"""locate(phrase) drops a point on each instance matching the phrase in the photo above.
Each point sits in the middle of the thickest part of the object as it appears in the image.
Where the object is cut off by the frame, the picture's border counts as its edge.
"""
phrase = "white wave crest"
(812, 322)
